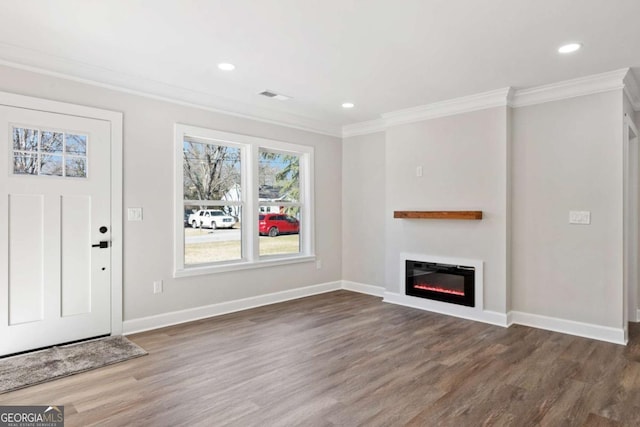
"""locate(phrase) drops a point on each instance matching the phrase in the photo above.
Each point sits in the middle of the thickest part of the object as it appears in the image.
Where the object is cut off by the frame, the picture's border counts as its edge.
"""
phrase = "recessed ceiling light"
(348, 105)
(225, 66)
(569, 47)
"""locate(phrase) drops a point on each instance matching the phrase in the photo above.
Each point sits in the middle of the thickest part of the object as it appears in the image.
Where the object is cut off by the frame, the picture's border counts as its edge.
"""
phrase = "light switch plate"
(134, 214)
(580, 217)
(157, 287)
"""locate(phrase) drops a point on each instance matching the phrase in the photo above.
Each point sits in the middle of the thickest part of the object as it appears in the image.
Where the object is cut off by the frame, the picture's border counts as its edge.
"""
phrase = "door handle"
(102, 245)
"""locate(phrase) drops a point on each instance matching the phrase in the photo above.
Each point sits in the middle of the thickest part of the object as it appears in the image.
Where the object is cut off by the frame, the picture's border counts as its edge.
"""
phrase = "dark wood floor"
(345, 359)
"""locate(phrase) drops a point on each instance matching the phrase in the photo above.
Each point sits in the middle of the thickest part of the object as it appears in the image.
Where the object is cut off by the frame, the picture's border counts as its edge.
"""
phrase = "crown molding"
(64, 68)
(480, 101)
(632, 90)
(622, 79)
(597, 83)
(364, 128)
(466, 104)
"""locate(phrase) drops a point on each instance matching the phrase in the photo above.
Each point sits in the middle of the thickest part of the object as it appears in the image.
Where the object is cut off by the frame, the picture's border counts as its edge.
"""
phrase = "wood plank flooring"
(346, 359)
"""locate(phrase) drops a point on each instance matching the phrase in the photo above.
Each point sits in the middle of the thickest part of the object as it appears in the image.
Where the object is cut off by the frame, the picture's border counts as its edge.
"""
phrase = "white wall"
(464, 160)
(567, 155)
(148, 183)
(363, 209)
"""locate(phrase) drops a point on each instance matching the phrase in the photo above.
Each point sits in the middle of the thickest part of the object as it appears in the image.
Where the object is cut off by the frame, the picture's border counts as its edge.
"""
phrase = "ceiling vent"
(273, 95)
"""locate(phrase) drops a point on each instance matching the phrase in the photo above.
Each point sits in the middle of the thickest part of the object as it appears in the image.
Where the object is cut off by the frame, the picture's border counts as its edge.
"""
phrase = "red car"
(273, 224)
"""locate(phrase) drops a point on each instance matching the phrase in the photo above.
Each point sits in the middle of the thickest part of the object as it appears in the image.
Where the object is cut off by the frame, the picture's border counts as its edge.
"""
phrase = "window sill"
(242, 265)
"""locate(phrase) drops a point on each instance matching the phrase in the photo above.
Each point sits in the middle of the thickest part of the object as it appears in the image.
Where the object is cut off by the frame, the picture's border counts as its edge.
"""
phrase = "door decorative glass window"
(49, 153)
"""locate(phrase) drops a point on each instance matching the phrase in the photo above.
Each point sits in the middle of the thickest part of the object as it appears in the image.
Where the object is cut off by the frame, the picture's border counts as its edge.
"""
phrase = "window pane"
(76, 144)
(51, 165)
(212, 234)
(25, 164)
(46, 152)
(51, 142)
(76, 167)
(25, 139)
(278, 177)
(279, 234)
(211, 172)
(278, 223)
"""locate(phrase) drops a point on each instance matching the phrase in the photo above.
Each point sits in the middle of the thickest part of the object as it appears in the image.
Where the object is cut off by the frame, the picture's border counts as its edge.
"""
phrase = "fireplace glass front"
(441, 282)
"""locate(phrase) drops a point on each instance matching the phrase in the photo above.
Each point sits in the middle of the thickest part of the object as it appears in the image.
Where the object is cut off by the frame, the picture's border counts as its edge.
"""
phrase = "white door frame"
(115, 120)
(631, 221)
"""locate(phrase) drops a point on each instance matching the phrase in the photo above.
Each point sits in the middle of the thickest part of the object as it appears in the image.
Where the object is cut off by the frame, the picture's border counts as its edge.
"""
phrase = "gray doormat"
(28, 369)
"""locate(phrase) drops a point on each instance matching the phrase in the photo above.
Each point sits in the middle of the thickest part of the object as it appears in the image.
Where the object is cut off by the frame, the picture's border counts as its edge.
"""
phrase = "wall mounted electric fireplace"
(441, 282)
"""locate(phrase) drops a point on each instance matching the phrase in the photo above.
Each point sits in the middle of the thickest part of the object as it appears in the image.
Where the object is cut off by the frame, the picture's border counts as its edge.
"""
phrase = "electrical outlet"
(419, 171)
(580, 217)
(318, 264)
(157, 286)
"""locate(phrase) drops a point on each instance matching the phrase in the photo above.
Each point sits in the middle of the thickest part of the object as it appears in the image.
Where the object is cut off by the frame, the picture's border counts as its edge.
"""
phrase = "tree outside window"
(227, 184)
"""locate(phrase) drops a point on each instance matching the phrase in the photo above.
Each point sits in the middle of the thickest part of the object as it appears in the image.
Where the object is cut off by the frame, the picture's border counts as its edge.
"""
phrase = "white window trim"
(250, 149)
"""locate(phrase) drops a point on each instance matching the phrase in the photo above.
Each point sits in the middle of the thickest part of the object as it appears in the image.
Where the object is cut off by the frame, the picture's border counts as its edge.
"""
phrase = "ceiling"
(382, 55)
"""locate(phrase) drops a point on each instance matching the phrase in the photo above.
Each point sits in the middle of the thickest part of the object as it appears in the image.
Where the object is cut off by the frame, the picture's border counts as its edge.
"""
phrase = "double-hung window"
(241, 201)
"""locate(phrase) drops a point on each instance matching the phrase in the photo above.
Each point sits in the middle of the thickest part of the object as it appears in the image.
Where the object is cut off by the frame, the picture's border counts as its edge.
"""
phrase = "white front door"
(55, 206)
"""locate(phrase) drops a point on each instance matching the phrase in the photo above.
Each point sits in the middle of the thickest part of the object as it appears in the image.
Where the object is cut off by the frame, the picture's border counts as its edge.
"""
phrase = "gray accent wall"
(567, 155)
(464, 161)
(525, 168)
(364, 209)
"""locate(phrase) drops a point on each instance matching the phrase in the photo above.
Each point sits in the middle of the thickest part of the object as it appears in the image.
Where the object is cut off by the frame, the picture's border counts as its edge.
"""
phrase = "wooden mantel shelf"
(438, 214)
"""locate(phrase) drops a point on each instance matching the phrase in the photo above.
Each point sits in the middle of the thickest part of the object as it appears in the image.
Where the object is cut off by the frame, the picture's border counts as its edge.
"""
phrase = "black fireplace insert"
(441, 282)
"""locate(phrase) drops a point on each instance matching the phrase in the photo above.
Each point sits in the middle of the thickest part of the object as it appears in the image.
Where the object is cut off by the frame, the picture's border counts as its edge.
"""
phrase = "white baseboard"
(509, 319)
(571, 327)
(362, 288)
(601, 333)
(191, 314)
(470, 313)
